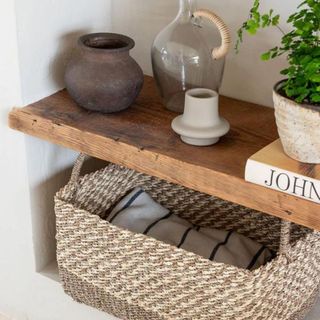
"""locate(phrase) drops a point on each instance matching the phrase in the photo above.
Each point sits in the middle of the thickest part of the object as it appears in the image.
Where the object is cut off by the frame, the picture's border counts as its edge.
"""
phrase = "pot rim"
(127, 43)
(276, 90)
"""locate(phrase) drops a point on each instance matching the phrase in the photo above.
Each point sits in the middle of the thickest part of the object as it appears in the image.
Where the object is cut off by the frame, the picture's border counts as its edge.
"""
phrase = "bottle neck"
(187, 8)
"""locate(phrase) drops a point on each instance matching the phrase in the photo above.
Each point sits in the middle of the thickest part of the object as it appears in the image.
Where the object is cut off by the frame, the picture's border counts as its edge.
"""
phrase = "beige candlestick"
(201, 124)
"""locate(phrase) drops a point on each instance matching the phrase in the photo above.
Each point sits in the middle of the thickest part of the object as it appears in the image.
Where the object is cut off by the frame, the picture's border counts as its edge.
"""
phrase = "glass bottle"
(182, 58)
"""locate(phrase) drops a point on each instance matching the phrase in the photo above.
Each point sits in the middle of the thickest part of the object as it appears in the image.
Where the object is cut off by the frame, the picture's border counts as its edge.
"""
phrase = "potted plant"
(297, 98)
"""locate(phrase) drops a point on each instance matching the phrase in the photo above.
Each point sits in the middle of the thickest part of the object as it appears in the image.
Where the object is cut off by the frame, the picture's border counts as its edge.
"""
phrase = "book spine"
(284, 181)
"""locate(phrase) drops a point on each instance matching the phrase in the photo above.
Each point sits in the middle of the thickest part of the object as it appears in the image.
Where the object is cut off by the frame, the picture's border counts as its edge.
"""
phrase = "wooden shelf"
(141, 138)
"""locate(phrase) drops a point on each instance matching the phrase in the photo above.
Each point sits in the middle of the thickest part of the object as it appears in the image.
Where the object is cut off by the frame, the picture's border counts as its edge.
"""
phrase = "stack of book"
(272, 168)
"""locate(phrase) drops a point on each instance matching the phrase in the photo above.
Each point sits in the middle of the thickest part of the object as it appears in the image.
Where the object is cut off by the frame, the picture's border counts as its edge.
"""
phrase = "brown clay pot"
(101, 75)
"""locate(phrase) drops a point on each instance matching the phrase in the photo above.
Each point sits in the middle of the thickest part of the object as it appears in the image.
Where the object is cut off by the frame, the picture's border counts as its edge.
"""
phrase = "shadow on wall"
(43, 215)
(43, 218)
(68, 44)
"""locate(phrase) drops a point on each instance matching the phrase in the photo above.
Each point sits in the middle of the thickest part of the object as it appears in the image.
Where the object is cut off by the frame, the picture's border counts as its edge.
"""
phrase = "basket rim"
(278, 260)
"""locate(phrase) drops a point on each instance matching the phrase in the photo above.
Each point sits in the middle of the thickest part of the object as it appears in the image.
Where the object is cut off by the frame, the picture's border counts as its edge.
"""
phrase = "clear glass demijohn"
(187, 54)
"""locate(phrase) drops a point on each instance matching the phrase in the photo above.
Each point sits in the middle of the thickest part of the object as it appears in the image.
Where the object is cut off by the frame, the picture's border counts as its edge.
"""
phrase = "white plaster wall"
(246, 77)
(47, 32)
(37, 37)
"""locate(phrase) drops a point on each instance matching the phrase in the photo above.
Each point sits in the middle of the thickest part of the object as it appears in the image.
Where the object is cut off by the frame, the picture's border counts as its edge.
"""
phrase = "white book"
(272, 168)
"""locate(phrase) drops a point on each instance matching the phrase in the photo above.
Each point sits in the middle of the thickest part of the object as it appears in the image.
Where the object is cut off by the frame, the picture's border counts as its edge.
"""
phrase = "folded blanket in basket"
(139, 213)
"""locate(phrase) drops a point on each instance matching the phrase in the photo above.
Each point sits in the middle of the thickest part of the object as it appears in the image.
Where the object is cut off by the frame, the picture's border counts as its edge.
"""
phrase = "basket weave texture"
(133, 276)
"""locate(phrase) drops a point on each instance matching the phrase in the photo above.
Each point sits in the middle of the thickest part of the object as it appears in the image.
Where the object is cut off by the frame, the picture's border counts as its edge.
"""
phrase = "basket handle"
(220, 52)
(75, 175)
(285, 236)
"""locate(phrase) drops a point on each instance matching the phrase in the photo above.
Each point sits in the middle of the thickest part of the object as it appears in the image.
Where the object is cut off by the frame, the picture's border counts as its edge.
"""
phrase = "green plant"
(301, 46)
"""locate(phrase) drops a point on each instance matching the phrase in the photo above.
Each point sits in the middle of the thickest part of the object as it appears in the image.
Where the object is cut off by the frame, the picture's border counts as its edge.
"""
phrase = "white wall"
(14, 205)
(47, 32)
(37, 37)
(246, 77)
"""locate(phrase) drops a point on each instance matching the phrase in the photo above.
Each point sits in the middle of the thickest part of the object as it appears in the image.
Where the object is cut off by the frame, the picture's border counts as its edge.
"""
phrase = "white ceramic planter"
(299, 128)
(201, 124)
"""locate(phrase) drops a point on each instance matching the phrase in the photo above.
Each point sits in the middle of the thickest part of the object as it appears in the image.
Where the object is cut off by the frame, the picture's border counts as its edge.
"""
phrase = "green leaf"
(265, 20)
(275, 20)
(315, 98)
(301, 46)
(266, 56)
(306, 59)
(315, 78)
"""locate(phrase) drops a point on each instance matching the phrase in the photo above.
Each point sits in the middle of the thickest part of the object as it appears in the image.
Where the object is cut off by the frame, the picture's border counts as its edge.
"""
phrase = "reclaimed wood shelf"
(141, 138)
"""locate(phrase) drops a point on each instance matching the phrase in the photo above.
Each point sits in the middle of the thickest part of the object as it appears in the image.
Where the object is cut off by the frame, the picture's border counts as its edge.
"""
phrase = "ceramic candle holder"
(201, 124)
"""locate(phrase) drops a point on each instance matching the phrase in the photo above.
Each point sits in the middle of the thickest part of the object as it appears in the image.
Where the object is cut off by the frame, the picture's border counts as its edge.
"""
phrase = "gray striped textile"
(139, 213)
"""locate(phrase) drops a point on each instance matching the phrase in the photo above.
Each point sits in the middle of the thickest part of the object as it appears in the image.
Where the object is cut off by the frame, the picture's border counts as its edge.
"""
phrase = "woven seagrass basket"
(133, 276)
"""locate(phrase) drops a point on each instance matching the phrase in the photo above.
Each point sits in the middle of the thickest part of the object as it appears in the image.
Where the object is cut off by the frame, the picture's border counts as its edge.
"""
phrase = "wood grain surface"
(141, 138)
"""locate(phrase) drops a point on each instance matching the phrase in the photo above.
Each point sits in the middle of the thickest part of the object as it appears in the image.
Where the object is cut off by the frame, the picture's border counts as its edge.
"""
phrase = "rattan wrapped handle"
(220, 52)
